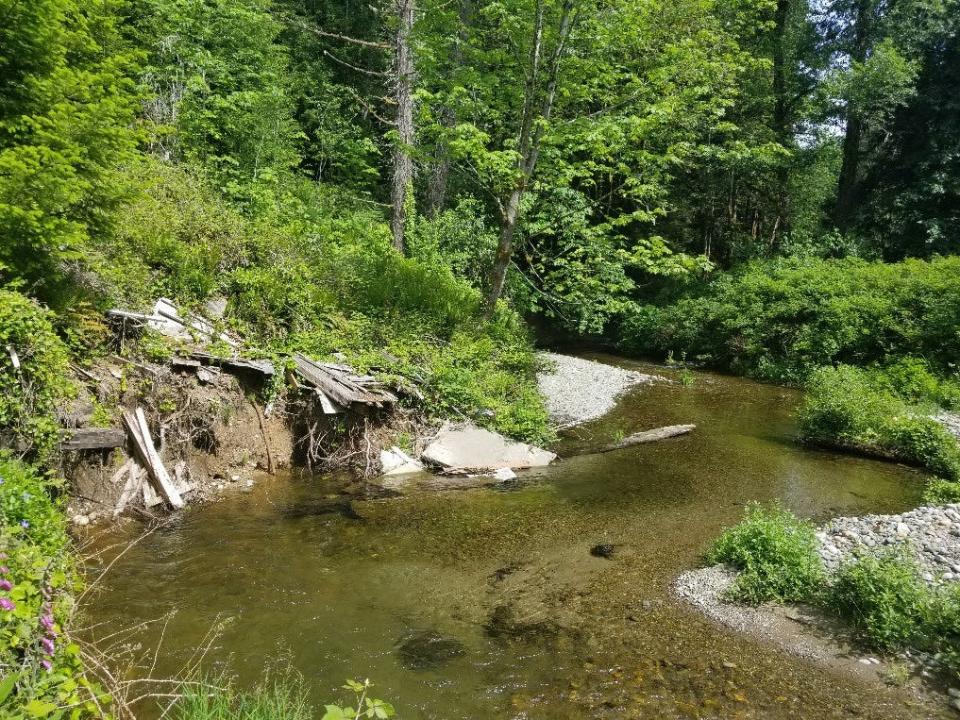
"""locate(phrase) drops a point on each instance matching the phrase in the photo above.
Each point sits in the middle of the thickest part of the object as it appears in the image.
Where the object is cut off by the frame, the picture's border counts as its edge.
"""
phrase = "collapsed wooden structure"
(339, 388)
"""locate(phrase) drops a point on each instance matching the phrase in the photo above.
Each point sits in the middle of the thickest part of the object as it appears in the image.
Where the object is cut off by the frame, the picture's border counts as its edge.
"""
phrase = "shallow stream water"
(487, 603)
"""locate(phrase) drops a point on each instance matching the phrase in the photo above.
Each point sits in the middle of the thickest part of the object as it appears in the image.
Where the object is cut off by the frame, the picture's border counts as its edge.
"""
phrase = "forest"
(768, 188)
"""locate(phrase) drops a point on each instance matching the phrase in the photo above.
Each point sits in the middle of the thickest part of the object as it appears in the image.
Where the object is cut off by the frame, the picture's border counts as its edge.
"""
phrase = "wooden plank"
(327, 405)
(143, 443)
(342, 386)
(93, 439)
(135, 480)
(264, 367)
(123, 471)
(150, 497)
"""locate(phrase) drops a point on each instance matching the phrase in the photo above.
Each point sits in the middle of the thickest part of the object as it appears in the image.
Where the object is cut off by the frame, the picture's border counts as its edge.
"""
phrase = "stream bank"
(346, 581)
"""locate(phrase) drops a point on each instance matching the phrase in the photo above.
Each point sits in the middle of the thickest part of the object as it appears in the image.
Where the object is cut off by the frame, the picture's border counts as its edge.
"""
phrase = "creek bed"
(488, 603)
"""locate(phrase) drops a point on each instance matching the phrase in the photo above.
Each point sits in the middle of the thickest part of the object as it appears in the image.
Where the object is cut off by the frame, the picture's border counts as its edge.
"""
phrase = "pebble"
(930, 533)
(576, 390)
(80, 520)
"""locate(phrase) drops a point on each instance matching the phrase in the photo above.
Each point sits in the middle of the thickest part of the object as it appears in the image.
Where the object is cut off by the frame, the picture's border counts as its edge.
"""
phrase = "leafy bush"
(42, 674)
(779, 320)
(776, 554)
(885, 599)
(853, 408)
(30, 394)
(942, 492)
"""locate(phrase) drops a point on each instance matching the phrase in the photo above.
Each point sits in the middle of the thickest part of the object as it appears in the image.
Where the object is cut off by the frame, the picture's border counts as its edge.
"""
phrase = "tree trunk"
(529, 145)
(440, 171)
(402, 186)
(781, 119)
(848, 183)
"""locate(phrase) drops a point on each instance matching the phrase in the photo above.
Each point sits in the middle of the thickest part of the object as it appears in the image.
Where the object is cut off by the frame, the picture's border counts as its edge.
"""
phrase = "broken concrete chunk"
(396, 462)
(466, 447)
(504, 474)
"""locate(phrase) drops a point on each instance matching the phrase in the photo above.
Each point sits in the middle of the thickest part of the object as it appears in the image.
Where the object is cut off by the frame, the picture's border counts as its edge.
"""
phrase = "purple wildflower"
(47, 622)
(48, 646)
(6, 584)
(47, 665)
(7, 604)
(24, 524)
(4, 569)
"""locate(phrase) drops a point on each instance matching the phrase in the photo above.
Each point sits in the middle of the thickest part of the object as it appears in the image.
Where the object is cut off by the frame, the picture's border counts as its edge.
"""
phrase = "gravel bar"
(931, 534)
(577, 390)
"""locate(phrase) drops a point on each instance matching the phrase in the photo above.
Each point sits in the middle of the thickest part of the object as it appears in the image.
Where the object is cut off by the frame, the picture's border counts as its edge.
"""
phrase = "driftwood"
(143, 444)
(341, 385)
(93, 439)
(135, 481)
(648, 436)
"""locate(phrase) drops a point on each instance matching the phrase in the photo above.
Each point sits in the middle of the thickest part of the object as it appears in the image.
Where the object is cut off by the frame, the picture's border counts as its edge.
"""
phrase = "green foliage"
(41, 668)
(779, 320)
(219, 90)
(66, 108)
(885, 599)
(854, 408)
(776, 554)
(278, 698)
(941, 492)
(31, 394)
(362, 707)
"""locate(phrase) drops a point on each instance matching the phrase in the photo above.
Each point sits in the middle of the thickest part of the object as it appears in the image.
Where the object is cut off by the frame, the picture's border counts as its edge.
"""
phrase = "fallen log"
(648, 436)
(143, 444)
(93, 439)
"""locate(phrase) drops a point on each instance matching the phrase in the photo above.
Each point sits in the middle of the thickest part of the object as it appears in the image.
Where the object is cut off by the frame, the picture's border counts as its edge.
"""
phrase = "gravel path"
(930, 534)
(577, 390)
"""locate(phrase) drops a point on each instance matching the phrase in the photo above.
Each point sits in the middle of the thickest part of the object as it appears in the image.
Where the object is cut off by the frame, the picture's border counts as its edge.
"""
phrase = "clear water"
(487, 603)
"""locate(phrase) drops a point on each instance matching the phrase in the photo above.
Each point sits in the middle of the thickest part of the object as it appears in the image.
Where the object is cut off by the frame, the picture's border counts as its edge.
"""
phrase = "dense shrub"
(41, 671)
(31, 394)
(885, 599)
(776, 554)
(779, 320)
(854, 408)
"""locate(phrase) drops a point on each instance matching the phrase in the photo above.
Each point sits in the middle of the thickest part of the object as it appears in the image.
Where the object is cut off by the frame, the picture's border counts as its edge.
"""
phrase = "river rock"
(925, 533)
(603, 550)
(428, 650)
(466, 447)
(396, 462)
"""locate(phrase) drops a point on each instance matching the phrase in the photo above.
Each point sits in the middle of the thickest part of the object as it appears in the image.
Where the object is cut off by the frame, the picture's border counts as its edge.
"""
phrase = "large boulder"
(466, 447)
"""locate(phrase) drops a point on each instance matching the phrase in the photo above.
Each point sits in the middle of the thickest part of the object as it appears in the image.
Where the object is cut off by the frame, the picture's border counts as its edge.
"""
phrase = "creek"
(488, 603)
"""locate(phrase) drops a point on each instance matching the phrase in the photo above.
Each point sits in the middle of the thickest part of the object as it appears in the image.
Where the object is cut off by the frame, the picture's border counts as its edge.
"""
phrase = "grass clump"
(282, 698)
(776, 554)
(855, 408)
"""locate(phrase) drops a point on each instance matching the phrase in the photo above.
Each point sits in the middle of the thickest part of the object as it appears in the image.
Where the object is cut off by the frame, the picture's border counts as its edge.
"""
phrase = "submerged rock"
(603, 550)
(427, 650)
(504, 623)
(469, 448)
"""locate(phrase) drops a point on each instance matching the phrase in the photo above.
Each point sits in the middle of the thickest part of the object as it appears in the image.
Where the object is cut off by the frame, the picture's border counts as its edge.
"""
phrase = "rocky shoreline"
(929, 534)
(577, 390)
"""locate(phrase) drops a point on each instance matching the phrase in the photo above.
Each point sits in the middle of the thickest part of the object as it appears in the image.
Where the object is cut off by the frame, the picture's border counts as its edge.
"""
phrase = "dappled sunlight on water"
(487, 602)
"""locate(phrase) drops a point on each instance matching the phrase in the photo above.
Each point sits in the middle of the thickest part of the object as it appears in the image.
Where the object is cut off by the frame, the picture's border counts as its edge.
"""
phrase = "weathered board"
(93, 439)
(143, 443)
(341, 385)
